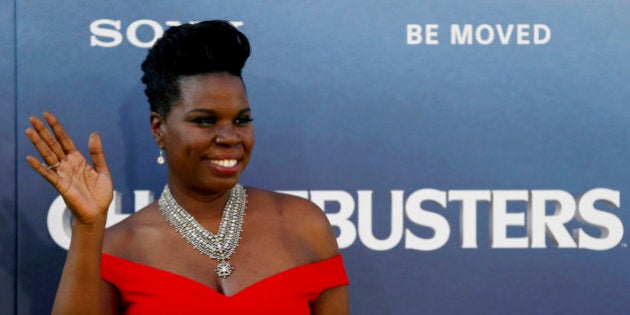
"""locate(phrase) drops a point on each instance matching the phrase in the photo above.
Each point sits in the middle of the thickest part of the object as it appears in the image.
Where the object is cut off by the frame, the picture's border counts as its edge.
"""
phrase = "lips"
(224, 166)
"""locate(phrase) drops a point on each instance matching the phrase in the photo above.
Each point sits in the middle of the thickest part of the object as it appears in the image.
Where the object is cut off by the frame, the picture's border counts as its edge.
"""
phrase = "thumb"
(96, 152)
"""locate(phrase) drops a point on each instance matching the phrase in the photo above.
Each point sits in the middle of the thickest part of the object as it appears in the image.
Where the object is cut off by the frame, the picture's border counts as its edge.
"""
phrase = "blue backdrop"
(360, 111)
(7, 160)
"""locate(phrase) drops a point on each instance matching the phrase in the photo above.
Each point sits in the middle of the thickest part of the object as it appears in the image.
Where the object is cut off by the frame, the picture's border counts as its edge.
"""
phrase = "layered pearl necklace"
(218, 246)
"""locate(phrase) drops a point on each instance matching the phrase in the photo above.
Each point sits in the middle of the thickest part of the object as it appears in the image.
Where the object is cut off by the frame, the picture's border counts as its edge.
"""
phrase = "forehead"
(212, 89)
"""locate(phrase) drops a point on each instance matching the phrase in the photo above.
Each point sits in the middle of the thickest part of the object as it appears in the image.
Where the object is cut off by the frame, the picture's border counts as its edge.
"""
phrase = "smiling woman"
(262, 252)
(207, 136)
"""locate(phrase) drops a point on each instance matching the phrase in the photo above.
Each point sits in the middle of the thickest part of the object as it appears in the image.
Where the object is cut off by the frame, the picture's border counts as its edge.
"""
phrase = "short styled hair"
(191, 49)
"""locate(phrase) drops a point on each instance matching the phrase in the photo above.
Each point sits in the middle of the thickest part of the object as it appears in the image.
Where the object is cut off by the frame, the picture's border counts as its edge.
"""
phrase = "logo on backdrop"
(482, 34)
(408, 210)
(108, 33)
(143, 33)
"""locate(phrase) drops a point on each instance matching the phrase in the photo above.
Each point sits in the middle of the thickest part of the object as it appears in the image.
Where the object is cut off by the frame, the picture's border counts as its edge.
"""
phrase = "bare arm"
(332, 302)
(87, 191)
(316, 229)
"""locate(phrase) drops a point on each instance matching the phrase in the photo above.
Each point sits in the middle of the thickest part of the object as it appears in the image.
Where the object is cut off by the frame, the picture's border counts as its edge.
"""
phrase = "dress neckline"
(246, 289)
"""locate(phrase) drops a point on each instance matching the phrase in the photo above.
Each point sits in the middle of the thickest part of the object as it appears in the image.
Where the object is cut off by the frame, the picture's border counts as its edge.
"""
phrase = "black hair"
(191, 49)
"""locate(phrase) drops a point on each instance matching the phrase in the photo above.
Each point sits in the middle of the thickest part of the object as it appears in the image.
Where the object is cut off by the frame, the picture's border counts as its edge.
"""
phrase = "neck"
(202, 205)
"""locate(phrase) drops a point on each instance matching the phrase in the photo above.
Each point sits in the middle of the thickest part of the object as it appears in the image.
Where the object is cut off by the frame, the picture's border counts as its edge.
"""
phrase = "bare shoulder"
(127, 235)
(302, 218)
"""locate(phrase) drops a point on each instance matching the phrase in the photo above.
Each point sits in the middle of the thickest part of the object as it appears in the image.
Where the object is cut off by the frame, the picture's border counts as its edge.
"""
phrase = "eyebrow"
(212, 112)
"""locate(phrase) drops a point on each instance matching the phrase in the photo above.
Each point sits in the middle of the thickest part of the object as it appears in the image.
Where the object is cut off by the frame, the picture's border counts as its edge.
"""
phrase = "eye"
(243, 120)
(204, 121)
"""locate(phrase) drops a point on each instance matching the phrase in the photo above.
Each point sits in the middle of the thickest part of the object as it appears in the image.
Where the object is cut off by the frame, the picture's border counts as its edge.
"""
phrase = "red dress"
(148, 290)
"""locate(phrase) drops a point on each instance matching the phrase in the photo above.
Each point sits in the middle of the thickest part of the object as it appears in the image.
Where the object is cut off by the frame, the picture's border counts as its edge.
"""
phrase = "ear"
(158, 126)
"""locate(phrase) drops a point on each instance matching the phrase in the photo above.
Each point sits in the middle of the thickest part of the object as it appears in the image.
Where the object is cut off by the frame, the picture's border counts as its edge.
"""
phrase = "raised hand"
(86, 189)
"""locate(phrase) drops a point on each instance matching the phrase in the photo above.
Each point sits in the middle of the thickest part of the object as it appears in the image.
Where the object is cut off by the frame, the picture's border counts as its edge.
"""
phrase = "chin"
(223, 183)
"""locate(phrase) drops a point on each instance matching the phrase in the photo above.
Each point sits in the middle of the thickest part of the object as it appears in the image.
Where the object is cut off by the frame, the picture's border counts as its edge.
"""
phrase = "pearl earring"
(160, 159)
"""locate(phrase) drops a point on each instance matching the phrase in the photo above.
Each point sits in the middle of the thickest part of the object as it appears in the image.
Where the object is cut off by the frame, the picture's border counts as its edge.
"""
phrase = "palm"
(87, 190)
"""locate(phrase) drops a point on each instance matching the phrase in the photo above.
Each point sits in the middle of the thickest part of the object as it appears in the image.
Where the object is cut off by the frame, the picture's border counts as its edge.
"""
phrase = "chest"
(266, 248)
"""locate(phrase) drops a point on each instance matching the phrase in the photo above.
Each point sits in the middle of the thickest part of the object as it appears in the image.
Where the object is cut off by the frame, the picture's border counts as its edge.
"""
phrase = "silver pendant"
(224, 269)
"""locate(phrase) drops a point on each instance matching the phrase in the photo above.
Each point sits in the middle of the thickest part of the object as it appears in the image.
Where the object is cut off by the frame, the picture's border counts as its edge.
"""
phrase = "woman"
(266, 253)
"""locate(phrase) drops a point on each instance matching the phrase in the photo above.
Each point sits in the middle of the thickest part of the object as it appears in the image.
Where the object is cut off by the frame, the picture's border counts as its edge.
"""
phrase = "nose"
(226, 135)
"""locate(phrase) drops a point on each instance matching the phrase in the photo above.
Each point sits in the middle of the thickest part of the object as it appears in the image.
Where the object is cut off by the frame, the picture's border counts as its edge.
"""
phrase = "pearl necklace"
(218, 246)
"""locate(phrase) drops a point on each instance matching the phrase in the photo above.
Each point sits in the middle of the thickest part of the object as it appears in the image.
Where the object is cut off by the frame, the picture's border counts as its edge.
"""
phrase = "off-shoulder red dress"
(148, 290)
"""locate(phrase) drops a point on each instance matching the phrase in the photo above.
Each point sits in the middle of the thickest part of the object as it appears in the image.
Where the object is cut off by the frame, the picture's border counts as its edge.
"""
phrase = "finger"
(95, 146)
(42, 147)
(44, 171)
(60, 133)
(45, 135)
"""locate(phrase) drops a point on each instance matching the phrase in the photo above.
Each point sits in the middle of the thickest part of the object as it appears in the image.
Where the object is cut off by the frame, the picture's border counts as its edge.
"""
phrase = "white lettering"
(522, 34)
(539, 224)
(60, 217)
(461, 37)
(108, 33)
(365, 221)
(468, 214)
(500, 219)
(479, 34)
(132, 33)
(504, 35)
(341, 218)
(432, 33)
(59, 221)
(610, 225)
(420, 216)
(486, 34)
(98, 29)
(175, 23)
(414, 34)
(545, 31)
(340, 207)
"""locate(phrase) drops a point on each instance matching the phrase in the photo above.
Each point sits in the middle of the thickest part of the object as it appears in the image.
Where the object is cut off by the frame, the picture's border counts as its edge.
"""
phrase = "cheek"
(249, 140)
(185, 142)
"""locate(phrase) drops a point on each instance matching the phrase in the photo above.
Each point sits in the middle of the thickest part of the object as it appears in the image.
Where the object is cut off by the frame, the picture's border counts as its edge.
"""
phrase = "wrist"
(95, 224)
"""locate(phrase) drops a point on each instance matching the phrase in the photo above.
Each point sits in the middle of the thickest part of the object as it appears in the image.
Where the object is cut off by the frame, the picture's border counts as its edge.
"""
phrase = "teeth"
(224, 163)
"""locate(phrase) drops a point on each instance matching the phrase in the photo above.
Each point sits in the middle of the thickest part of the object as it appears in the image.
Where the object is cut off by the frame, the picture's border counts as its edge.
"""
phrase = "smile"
(225, 163)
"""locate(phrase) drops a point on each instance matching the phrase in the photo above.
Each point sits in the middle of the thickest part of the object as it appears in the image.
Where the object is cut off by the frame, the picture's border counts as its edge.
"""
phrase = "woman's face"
(208, 135)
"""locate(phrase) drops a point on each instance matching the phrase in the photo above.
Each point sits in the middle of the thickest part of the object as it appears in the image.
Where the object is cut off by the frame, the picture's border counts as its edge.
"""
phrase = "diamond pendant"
(224, 269)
